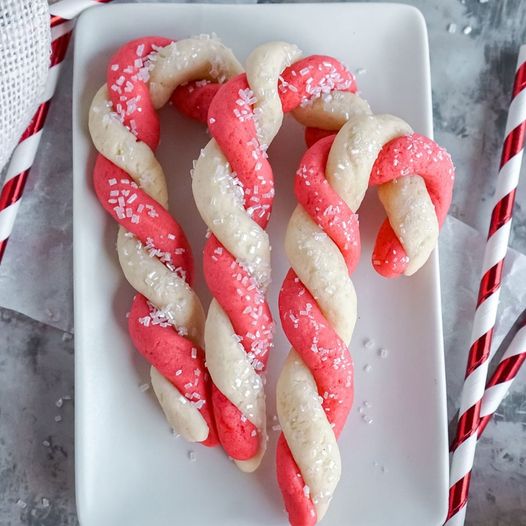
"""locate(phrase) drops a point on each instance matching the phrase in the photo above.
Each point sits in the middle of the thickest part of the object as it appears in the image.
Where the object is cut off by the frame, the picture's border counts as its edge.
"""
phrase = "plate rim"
(89, 17)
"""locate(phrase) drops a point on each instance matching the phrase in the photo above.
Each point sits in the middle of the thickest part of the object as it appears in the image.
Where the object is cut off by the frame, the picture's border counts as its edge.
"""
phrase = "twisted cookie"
(167, 320)
(317, 300)
(233, 189)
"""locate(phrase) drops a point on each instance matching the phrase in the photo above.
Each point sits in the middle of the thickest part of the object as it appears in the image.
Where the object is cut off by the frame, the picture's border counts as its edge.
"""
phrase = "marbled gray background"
(472, 74)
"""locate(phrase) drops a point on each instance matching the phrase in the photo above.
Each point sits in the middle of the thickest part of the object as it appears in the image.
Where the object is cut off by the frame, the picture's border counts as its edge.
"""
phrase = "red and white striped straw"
(501, 380)
(61, 21)
(463, 447)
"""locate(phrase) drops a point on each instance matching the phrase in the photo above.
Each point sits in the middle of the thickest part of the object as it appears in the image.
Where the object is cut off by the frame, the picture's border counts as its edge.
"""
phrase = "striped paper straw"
(61, 21)
(501, 380)
(463, 447)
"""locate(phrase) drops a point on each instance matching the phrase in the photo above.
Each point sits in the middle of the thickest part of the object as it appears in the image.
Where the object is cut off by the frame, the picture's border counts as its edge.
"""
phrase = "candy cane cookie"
(317, 301)
(166, 321)
(233, 190)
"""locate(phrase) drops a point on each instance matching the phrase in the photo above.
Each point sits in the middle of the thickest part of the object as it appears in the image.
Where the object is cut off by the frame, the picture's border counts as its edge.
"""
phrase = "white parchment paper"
(461, 250)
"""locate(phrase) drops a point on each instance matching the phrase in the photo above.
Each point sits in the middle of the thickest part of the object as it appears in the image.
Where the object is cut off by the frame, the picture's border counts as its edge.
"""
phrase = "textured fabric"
(24, 62)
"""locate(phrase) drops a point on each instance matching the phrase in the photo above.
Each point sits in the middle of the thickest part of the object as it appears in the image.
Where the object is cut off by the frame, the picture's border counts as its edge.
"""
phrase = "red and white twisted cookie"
(317, 301)
(233, 189)
(167, 320)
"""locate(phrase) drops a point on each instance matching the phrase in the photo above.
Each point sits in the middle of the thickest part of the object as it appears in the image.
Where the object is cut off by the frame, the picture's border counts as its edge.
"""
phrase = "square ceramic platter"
(130, 469)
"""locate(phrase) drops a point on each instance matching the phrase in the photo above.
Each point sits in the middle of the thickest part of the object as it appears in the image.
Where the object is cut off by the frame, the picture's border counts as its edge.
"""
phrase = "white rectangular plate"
(130, 469)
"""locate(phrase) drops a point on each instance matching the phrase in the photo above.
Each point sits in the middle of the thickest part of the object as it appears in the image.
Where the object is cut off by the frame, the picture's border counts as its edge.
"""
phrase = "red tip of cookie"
(238, 436)
(299, 506)
(177, 358)
(389, 258)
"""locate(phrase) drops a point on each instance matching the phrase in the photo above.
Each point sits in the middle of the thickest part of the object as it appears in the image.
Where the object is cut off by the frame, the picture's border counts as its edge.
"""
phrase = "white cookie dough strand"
(179, 412)
(332, 112)
(412, 216)
(190, 59)
(321, 268)
(165, 289)
(263, 67)
(308, 433)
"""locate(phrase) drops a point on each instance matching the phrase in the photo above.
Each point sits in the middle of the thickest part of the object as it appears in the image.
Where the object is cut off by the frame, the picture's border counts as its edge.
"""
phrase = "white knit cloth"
(24, 62)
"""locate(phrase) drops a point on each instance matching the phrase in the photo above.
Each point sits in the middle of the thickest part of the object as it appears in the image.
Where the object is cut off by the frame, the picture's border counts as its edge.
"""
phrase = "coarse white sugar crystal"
(383, 353)
(191, 456)
(59, 403)
(145, 321)
(467, 30)
(58, 418)
(46, 443)
(21, 504)
(367, 419)
(115, 67)
(367, 368)
(45, 502)
(451, 28)
(199, 404)
(306, 491)
(144, 387)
